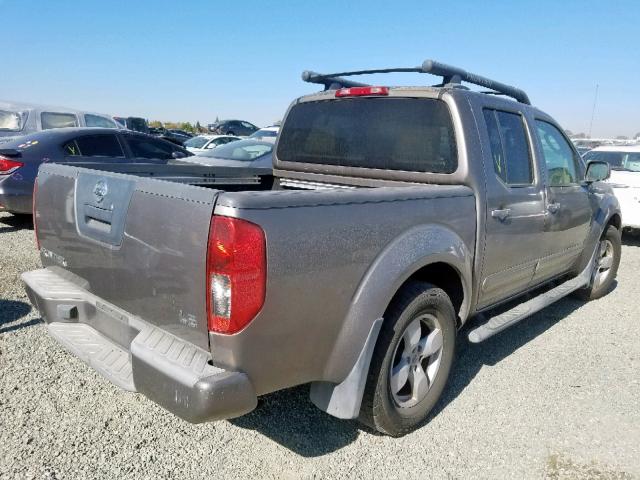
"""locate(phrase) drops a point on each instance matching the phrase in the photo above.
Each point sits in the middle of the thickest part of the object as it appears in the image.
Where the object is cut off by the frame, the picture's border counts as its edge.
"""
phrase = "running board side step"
(520, 312)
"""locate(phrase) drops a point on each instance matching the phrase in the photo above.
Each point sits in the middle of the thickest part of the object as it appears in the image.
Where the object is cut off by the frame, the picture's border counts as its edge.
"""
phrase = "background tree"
(187, 127)
(155, 124)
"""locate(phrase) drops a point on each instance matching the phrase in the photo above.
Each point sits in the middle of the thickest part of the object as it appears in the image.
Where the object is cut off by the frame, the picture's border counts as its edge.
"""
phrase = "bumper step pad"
(95, 350)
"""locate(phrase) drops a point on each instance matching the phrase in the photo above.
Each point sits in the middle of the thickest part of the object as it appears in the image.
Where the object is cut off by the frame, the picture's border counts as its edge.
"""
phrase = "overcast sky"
(189, 61)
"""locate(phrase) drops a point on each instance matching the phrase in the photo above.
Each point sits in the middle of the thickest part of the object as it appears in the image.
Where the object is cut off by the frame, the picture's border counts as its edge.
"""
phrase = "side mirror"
(597, 171)
(178, 155)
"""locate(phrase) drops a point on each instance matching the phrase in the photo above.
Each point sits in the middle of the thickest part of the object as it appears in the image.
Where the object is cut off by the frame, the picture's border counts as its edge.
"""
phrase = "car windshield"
(264, 133)
(618, 160)
(196, 142)
(12, 121)
(243, 150)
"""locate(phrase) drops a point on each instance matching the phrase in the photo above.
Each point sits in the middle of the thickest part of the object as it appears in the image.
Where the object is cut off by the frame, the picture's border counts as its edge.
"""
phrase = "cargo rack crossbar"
(451, 77)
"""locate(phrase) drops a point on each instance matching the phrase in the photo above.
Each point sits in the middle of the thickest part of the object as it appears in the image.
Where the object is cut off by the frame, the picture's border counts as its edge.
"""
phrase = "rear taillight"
(362, 91)
(33, 212)
(236, 273)
(8, 166)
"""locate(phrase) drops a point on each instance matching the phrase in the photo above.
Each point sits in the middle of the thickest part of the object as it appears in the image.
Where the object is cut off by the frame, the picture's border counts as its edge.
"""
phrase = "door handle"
(553, 207)
(501, 214)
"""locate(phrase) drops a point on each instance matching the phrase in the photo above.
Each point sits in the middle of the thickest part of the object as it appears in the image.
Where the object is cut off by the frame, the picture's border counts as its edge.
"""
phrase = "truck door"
(515, 209)
(568, 212)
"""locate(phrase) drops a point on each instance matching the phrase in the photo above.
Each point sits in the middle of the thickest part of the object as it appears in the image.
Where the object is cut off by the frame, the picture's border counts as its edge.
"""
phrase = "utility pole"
(593, 111)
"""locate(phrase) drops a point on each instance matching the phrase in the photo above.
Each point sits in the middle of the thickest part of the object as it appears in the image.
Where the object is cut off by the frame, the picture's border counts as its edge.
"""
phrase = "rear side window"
(142, 147)
(94, 146)
(58, 120)
(384, 133)
(509, 147)
(99, 121)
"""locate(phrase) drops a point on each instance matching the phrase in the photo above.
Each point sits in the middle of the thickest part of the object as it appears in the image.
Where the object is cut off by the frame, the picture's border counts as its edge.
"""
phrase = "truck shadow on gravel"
(289, 418)
(13, 223)
(12, 310)
(631, 239)
(470, 357)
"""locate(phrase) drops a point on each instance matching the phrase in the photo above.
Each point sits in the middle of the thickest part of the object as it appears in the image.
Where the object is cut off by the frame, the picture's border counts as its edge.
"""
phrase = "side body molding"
(340, 393)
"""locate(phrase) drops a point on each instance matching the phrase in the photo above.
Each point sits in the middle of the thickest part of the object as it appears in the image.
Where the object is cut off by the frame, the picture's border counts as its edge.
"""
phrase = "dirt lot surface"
(557, 396)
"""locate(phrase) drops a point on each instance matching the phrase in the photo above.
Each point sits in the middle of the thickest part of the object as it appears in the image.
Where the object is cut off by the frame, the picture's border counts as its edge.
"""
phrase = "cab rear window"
(407, 134)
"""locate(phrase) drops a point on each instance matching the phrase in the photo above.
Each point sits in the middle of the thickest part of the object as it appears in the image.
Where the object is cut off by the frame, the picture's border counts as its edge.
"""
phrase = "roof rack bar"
(450, 75)
(447, 71)
(330, 82)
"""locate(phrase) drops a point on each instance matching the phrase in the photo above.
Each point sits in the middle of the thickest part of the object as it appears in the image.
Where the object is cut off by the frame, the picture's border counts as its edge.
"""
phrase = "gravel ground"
(557, 396)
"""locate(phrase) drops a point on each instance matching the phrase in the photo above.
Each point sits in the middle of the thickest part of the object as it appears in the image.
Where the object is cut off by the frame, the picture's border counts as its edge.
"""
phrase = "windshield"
(196, 142)
(384, 133)
(618, 160)
(243, 150)
(12, 121)
(264, 133)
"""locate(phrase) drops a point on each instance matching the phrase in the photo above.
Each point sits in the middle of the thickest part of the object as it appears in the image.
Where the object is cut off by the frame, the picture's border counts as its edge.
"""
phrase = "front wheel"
(606, 265)
(411, 360)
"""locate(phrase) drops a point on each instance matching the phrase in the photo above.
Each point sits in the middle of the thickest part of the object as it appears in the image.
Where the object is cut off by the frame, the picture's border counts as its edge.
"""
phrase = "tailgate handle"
(98, 218)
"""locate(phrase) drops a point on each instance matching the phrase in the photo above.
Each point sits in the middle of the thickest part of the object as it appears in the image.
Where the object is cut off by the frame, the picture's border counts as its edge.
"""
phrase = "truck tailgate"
(139, 244)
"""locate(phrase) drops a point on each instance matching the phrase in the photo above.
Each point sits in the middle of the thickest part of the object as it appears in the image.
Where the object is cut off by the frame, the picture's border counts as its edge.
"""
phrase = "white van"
(625, 178)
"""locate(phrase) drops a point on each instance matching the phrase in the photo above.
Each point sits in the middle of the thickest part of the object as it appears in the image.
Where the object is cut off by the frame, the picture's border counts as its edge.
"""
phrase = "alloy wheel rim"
(416, 361)
(604, 262)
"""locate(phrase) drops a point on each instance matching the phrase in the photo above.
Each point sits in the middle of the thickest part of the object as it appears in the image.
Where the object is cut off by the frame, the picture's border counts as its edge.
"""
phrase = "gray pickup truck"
(393, 215)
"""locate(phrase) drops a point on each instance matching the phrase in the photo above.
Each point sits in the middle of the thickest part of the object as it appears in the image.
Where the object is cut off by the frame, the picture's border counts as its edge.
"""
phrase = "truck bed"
(132, 248)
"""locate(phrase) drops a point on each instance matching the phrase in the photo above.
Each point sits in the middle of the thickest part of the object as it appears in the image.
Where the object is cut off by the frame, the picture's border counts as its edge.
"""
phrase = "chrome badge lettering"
(59, 259)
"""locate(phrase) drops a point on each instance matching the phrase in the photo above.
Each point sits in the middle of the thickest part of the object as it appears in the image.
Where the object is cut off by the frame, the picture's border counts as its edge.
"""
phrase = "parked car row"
(17, 119)
(20, 158)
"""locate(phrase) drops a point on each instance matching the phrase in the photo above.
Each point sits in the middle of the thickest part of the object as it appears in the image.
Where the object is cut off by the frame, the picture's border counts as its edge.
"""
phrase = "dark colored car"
(234, 127)
(137, 124)
(21, 158)
(169, 135)
(183, 133)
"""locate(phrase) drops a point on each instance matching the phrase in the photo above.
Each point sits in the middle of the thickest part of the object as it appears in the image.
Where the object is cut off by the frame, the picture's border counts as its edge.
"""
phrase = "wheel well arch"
(616, 221)
(444, 276)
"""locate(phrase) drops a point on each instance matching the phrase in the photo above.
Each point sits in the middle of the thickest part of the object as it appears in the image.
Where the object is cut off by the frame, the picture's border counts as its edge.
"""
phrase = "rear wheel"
(411, 361)
(606, 265)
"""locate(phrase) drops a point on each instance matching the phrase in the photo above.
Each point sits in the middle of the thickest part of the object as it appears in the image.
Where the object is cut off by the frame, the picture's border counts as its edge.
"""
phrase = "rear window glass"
(99, 121)
(147, 147)
(94, 146)
(384, 133)
(243, 150)
(196, 142)
(58, 120)
(12, 121)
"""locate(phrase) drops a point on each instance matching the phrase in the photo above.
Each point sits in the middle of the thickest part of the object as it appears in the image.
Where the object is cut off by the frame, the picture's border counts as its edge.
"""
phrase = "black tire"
(599, 289)
(380, 409)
